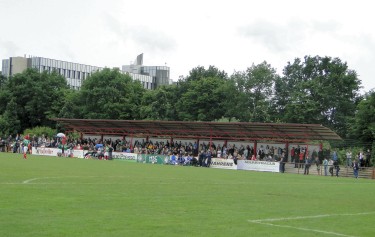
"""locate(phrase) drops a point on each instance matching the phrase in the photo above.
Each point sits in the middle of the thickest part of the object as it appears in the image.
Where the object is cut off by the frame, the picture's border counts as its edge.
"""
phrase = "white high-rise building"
(75, 73)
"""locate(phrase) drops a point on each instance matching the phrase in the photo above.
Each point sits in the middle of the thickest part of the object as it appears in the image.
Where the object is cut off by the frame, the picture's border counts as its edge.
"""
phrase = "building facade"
(160, 74)
(75, 73)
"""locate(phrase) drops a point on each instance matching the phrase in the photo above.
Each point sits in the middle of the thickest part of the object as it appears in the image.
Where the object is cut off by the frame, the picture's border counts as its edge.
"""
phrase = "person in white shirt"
(349, 158)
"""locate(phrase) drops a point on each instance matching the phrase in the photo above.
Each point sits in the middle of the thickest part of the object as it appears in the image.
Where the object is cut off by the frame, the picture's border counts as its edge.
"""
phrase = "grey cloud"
(143, 36)
(277, 37)
(330, 26)
(9, 48)
(154, 40)
(272, 36)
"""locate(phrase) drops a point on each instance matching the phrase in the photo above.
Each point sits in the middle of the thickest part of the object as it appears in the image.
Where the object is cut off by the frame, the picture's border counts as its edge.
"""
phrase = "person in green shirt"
(25, 142)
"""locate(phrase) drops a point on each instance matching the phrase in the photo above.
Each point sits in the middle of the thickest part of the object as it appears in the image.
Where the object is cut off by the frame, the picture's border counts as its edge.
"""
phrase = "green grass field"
(50, 196)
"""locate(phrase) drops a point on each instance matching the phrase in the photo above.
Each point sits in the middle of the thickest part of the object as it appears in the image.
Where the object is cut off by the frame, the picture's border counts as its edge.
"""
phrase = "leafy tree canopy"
(30, 98)
(110, 94)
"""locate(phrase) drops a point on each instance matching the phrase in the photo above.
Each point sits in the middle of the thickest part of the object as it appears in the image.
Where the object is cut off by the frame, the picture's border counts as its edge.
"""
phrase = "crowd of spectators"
(141, 146)
(298, 155)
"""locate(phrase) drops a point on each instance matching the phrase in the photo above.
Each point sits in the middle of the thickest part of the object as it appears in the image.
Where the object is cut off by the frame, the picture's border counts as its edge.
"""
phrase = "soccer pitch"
(50, 196)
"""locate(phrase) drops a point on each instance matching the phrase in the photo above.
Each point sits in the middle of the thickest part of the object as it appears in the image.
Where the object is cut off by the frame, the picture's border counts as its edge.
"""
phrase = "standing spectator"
(330, 164)
(297, 152)
(355, 169)
(246, 153)
(301, 158)
(9, 141)
(307, 165)
(368, 158)
(361, 159)
(337, 167)
(317, 162)
(201, 158)
(110, 150)
(195, 149)
(325, 164)
(334, 155)
(282, 162)
(292, 155)
(208, 156)
(320, 155)
(106, 148)
(349, 158)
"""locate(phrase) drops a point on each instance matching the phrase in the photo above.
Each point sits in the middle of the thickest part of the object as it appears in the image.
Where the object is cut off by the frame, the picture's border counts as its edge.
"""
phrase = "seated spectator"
(188, 160)
(180, 159)
(173, 160)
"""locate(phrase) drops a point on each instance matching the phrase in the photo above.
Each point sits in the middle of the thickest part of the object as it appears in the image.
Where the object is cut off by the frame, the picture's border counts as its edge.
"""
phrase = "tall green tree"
(255, 86)
(203, 100)
(318, 90)
(363, 127)
(3, 80)
(203, 95)
(200, 72)
(9, 120)
(71, 107)
(110, 94)
(160, 104)
(32, 98)
(196, 74)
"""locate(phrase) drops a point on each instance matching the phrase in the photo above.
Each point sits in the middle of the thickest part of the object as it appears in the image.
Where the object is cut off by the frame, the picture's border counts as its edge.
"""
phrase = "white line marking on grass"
(30, 180)
(312, 217)
(265, 222)
(305, 229)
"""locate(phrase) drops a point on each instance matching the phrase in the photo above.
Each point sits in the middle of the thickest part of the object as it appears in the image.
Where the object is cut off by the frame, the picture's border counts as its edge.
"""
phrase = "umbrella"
(98, 145)
(60, 135)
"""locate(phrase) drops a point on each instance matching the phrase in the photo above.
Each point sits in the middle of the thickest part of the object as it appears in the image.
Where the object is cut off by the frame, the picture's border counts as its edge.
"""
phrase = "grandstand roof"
(201, 130)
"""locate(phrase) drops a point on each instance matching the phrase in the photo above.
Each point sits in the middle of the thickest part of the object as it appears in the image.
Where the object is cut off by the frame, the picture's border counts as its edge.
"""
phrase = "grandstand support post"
(287, 151)
(147, 138)
(307, 151)
(81, 136)
(255, 148)
(102, 138)
(171, 141)
(209, 148)
(131, 141)
(197, 147)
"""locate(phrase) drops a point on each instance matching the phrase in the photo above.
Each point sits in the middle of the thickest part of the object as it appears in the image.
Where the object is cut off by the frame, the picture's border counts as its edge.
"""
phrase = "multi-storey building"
(160, 74)
(75, 73)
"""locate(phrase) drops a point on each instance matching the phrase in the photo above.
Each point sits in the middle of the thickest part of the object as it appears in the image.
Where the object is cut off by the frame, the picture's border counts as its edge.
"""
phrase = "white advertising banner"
(45, 151)
(124, 156)
(223, 163)
(258, 165)
(49, 151)
(79, 153)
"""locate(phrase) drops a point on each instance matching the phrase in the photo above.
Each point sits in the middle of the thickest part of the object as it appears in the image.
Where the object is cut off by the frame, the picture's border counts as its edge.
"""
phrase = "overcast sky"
(184, 34)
